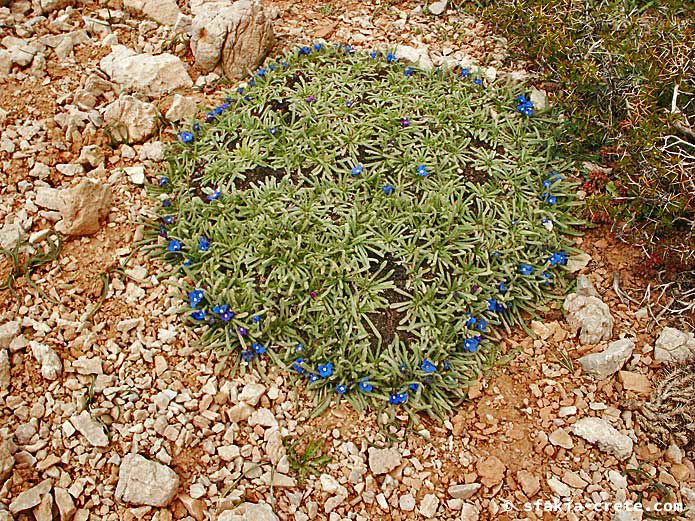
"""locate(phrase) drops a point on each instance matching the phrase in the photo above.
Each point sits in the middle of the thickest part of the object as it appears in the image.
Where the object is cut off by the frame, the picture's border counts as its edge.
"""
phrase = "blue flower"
(548, 278)
(188, 262)
(414, 386)
(503, 287)
(395, 399)
(547, 183)
(349, 103)
(304, 50)
(195, 297)
(525, 106)
(559, 257)
(199, 314)
(471, 344)
(478, 81)
(186, 137)
(373, 55)
(357, 170)
(313, 378)
(499, 308)
(210, 117)
(214, 195)
(174, 245)
(163, 181)
(341, 388)
(482, 325)
(403, 367)
(300, 347)
(168, 219)
(465, 72)
(525, 269)
(297, 365)
(261, 72)
(325, 370)
(258, 348)
(388, 189)
(365, 386)
(491, 304)
(422, 171)
(242, 331)
(256, 319)
(252, 82)
(390, 57)
(408, 71)
(240, 90)
(317, 47)
(247, 355)
(428, 367)
(203, 244)
(552, 200)
(163, 231)
(166, 203)
(471, 321)
(220, 309)
(271, 66)
(196, 127)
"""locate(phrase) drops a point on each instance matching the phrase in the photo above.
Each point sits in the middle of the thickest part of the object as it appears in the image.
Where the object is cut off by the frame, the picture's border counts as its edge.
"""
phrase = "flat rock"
(153, 75)
(236, 36)
(8, 332)
(529, 482)
(561, 438)
(606, 437)
(5, 370)
(31, 498)
(674, 345)
(464, 492)
(636, 382)
(145, 482)
(84, 207)
(249, 512)
(610, 360)
(51, 365)
(428, 506)
(90, 429)
(129, 120)
(383, 461)
(491, 471)
(590, 317)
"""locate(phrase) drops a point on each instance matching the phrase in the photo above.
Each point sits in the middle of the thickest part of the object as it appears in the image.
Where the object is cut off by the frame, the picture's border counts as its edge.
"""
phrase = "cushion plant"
(371, 227)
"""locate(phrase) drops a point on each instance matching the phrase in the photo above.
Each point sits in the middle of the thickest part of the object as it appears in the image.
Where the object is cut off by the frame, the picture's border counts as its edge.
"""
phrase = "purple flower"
(242, 331)
(309, 99)
(247, 355)
(405, 122)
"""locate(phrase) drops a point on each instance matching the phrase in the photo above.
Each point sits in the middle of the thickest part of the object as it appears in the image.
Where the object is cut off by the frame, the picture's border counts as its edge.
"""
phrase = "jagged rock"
(65, 504)
(130, 120)
(539, 98)
(51, 365)
(6, 460)
(601, 433)
(249, 512)
(90, 429)
(151, 75)
(428, 506)
(610, 360)
(4, 370)
(31, 497)
(48, 6)
(418, 56)
(589, 316)
(578, 262)
(182, 108)
(83, 207)
(145, 482)
(383, 461)
(236, 35)
(8, 332)
(438, 7)
(163, 12)
(10, 234)
(674, 345)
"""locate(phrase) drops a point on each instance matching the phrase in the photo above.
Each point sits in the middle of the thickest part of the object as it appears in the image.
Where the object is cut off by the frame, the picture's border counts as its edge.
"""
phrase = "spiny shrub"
(624, 72)
(366, 225)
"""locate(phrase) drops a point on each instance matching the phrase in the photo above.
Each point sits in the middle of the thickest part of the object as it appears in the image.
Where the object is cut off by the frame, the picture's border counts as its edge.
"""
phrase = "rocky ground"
(110, 411)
